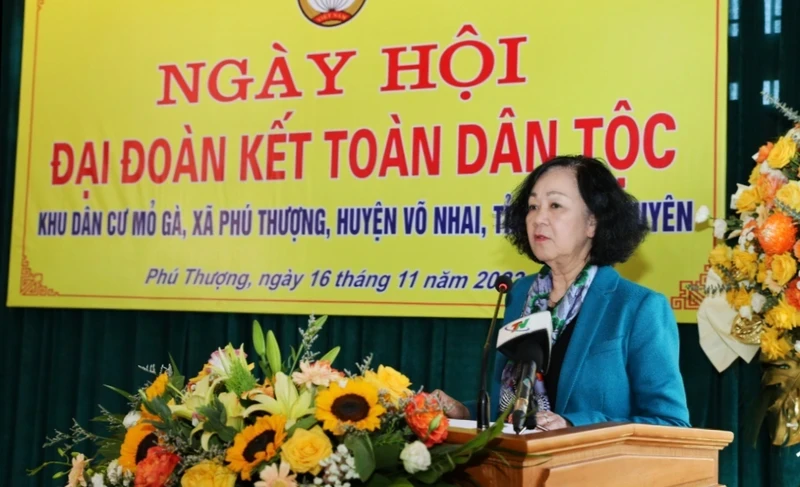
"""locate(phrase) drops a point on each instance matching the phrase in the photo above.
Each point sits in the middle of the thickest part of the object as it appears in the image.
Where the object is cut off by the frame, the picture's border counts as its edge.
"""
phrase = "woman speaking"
(615, 343)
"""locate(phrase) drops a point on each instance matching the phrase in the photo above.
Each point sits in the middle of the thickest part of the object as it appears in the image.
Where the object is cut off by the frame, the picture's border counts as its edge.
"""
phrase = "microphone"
(527, 341)
(520, 413)
(502, 286)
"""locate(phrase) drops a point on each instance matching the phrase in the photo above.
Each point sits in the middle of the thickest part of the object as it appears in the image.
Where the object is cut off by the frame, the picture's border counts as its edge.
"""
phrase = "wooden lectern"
(611, 454)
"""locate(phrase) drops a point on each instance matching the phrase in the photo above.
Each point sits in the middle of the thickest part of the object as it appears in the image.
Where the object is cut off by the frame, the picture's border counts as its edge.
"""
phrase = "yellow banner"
(347, 156)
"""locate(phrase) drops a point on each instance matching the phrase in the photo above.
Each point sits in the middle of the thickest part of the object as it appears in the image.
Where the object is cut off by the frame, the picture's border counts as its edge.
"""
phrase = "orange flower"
(793, 294)
(768, 186)
(156, 468)
(763, 152)
(427, 420)
(778, 234)
(796, 250)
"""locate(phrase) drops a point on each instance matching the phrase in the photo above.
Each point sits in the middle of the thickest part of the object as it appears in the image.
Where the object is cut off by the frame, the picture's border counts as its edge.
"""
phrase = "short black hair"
(620, 228)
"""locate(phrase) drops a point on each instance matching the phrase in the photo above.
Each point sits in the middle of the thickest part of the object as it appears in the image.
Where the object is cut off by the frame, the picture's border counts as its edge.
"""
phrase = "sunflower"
(158, 387)
(256, 444)
(355, 405)
(138, 440)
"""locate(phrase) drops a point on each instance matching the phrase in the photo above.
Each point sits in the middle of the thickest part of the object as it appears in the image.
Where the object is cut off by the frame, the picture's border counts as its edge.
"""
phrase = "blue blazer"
(622, 361)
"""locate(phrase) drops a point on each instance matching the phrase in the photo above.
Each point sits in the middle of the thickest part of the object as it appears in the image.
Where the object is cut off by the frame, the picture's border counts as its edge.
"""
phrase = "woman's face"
(560, 227)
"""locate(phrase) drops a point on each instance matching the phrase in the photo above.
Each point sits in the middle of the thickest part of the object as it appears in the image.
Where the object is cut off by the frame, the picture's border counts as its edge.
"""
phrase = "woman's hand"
(549, 421)
(452, 408)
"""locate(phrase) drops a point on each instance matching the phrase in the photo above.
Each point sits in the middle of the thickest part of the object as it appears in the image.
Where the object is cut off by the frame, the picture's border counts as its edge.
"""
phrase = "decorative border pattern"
(690, 293)
(32, 283)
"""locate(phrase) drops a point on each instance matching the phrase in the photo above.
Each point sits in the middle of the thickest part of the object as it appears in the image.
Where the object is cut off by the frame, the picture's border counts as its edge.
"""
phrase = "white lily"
(287, 401)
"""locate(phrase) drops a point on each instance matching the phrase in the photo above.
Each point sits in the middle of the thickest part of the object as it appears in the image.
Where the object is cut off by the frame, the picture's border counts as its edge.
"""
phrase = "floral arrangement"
(754, 265)
(302, 423)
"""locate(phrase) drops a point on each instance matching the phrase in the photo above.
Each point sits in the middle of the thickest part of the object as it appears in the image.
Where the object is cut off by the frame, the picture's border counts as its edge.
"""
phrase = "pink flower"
(317, 373)
(272, 476)
(76, 476)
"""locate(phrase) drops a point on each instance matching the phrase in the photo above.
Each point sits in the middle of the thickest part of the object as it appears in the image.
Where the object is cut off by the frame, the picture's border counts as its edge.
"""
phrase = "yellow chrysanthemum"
(738, 298)
(355, 405)
(789, 195)
(138, 439)
(782, 316)
(745, 262)
(773, 345)
(721, 256)
(158, 387)
(761, 276)
(256, 444)
(782, 153)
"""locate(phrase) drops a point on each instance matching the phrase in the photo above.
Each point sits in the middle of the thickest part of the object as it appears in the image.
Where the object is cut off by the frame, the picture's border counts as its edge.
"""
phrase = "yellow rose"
(748, 200)
(789, 195)
(782, 316)
(208, 474)
(393, 382)
(754, 174)
(305, 449)
(784, 268)
(783, 152)
(721, 256)
(745, 262)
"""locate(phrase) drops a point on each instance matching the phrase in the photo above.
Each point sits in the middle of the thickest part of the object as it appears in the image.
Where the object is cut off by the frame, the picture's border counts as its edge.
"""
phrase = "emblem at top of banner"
(330, 13)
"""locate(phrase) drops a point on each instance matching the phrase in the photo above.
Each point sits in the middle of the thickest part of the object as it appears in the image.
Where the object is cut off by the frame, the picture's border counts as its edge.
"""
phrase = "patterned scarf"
(564, 313)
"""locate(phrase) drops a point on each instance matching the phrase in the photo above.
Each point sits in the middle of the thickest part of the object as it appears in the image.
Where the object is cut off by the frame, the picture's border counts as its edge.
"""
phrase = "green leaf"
(258, 339)
(379, 480)
(160, 409)
(401, 482)
(273, 353)
(122, 393)
(441, 466)
(303, 423)
(444, 449)
(362, 453)
(176, 380)
(387, 456)
(215, 420)
(331, 355)
(110, 449)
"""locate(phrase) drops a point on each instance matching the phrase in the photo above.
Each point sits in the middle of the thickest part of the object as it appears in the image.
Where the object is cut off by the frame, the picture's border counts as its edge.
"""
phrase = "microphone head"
(528, 339)
(503, 284)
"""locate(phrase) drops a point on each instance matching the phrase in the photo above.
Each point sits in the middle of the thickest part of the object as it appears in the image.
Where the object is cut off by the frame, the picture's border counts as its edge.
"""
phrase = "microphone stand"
(482, 409)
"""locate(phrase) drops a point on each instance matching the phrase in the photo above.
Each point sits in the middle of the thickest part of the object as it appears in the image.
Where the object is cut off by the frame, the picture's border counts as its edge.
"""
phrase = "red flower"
(793, 294)
(156, 468)
(426, 419)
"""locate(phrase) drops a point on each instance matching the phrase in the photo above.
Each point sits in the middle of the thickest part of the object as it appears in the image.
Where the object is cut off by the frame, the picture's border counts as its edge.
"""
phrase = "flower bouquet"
(755, 267)
(302, 422)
